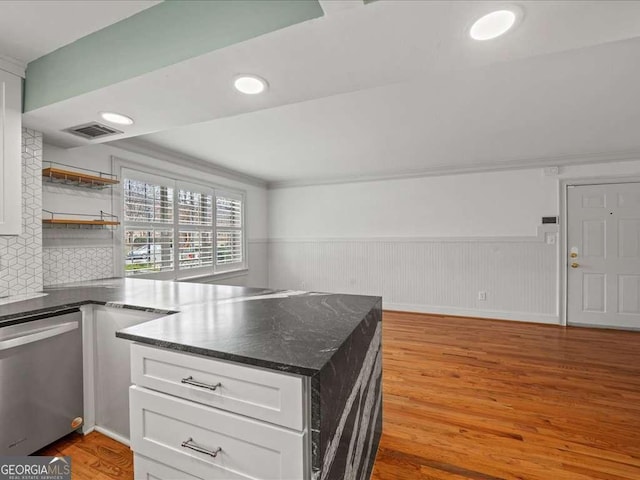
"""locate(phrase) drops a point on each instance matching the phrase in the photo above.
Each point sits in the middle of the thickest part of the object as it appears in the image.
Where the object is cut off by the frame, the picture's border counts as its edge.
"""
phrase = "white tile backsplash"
(21, 255)
(64, 265)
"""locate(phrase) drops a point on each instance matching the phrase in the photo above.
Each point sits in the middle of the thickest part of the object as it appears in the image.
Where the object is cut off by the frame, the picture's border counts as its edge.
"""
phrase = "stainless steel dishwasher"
(40, 381)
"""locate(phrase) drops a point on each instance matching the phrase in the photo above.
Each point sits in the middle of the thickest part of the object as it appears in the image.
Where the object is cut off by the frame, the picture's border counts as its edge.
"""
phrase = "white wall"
(424, 244)
(497, 204)
(64, 265)
(431, 243)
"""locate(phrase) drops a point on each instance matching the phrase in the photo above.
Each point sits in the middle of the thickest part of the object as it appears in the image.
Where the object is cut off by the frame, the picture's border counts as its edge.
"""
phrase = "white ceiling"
(534, 111)
(390, 88)
(30, 29)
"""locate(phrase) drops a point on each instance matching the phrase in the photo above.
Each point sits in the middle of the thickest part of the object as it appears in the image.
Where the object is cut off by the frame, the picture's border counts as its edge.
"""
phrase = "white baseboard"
(108, 433)
(464, 312)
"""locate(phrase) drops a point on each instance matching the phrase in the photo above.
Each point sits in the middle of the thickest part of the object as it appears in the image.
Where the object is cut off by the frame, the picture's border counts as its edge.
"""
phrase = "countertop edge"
(76, 297)
(376, 306)
(256, 362)
(28, 315)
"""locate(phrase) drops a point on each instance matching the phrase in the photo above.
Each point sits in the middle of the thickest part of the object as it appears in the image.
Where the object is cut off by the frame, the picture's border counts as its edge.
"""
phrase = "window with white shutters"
(147, 203)
(148, 233)
(175, 229)
(229, 241)
(195, 237)
(148, 250)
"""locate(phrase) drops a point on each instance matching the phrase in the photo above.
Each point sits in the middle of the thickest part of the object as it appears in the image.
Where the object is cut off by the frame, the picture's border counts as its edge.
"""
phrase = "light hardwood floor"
(482, 400)
(93, 457)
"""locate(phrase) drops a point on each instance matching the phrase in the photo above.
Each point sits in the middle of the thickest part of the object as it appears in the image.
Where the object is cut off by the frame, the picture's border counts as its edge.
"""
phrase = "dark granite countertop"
(289, 331)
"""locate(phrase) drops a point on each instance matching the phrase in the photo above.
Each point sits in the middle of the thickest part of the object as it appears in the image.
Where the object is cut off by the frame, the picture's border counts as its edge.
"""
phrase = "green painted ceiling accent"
(162, 35)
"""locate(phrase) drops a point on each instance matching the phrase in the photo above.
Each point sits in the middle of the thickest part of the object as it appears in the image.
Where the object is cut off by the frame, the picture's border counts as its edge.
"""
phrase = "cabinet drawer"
(256, 393)
(147, 469)
(172, 430)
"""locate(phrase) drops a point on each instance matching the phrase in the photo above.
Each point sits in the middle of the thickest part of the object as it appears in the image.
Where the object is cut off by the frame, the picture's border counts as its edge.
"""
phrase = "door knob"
(573, 255)
(575, 265)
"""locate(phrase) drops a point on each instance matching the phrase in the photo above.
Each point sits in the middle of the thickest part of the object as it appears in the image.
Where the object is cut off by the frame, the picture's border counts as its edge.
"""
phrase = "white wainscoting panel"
(428, 275)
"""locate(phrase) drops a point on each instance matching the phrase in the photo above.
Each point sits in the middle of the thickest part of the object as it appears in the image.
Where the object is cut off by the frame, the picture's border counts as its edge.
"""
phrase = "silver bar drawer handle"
(189, 380)
(189, 443)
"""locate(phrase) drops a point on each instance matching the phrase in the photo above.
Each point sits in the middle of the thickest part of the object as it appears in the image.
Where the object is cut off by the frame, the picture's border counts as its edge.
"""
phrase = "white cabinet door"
(213, 444)
(10, 155)
(251, 391)
(147, 469)
(604, 255)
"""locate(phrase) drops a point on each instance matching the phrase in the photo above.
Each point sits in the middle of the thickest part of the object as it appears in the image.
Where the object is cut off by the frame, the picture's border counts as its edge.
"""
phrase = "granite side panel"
(347, 405)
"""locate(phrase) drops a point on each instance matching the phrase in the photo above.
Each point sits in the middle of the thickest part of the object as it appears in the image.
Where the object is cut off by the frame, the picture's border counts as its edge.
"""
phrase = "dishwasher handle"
(38, 335)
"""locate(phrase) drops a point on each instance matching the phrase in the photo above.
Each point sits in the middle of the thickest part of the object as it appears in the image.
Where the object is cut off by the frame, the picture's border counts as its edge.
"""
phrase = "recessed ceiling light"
(493, 25)
(250, 84)
(116, 118)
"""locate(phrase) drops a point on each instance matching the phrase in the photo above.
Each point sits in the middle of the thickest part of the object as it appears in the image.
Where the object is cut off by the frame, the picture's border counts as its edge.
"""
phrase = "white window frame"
(185, 183)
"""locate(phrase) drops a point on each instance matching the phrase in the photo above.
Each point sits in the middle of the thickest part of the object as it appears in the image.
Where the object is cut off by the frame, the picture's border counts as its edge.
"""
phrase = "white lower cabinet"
(113, 367)
(252, 392)
(175, 435)
(147, 469)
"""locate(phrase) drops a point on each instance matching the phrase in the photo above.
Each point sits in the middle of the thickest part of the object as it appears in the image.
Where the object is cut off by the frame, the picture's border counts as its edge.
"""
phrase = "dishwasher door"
(40, 382)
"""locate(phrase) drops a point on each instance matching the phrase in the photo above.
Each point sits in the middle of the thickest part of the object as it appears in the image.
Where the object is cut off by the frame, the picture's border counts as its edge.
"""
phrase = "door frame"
(563, 265)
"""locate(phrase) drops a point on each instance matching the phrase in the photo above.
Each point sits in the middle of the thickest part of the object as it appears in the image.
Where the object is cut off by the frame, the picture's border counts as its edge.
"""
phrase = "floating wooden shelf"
(94, 179)
(74, 221)
(102, 219)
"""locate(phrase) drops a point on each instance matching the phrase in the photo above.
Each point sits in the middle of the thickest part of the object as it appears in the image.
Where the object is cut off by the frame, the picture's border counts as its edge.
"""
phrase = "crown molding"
(143, 147)
(441, 170)
(13, 65)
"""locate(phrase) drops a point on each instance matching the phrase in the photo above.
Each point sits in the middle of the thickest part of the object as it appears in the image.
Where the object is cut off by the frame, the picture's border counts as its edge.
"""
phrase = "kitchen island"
(274, 345)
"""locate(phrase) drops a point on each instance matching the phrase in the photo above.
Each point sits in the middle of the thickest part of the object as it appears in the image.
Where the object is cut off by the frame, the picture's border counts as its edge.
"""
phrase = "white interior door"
(603, 240)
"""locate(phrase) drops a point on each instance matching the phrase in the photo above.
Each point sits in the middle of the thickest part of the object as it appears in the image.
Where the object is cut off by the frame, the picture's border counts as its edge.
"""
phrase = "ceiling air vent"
(92, 130)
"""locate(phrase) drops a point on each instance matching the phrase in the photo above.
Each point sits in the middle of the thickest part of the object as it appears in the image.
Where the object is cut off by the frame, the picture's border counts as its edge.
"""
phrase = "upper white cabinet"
(10, 155)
